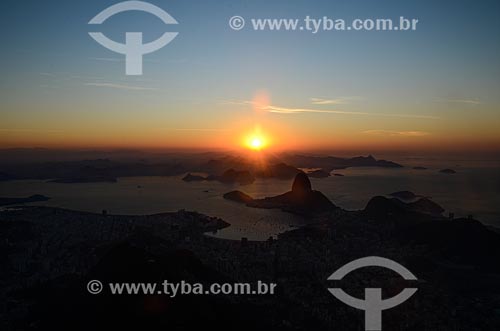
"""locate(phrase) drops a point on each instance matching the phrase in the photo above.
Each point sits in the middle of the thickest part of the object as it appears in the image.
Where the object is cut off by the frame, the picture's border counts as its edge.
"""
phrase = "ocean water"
(473, 190)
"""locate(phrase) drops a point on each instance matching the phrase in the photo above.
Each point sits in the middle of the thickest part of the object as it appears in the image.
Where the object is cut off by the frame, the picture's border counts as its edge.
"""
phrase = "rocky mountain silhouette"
(302, 199)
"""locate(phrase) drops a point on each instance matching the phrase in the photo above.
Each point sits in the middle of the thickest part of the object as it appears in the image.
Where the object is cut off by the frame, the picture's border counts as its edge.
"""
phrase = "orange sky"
(329, 124)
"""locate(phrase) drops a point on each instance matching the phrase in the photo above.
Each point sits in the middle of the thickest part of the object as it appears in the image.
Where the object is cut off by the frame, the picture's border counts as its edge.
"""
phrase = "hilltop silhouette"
(302, 199)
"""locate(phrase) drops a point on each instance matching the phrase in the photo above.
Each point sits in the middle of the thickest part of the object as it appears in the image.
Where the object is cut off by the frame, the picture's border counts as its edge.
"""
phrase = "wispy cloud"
(334, 101)
(66, 76)
(198, 129)
(122, 86)
(288, 110)
(473, 102)
(391, 133)
(236, 102)
(26, 130)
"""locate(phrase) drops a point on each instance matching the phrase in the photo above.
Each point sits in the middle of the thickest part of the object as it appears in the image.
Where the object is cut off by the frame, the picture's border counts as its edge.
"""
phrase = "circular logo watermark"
(373, 304)
(134, 48)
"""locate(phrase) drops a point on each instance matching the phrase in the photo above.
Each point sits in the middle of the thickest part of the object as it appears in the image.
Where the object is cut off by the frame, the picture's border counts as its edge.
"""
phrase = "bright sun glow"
(256, 142)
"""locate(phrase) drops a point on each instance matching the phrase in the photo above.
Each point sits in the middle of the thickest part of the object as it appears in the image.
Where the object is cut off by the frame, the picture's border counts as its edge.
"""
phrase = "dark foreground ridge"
(48, 255)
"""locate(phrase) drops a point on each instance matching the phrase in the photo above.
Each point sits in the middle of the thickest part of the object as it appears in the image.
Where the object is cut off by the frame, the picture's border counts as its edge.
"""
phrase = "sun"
(256, 143)
(256, 140)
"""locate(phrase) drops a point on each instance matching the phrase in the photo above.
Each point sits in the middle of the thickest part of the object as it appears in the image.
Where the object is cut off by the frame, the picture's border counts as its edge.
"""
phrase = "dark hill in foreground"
(48, 255)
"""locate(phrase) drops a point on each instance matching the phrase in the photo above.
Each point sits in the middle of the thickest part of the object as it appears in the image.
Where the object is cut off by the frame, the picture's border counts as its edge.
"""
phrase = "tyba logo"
(133, 48)
(373, 303)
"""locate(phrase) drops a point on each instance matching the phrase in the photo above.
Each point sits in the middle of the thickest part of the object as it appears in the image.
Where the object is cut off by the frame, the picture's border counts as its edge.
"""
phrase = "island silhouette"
(302, 199)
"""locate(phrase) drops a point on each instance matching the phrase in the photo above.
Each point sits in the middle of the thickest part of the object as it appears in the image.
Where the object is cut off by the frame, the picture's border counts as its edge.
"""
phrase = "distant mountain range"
(222, 167)
(329, 163)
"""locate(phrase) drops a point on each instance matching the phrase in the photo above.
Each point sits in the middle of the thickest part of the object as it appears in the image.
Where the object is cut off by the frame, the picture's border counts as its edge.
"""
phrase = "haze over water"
(473, 190)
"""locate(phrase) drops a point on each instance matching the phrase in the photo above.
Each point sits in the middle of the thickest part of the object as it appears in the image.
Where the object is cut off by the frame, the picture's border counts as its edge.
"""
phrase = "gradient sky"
(434, 88)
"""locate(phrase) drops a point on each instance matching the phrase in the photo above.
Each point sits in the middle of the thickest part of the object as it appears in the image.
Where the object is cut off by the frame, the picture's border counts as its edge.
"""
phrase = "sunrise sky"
(212, 87)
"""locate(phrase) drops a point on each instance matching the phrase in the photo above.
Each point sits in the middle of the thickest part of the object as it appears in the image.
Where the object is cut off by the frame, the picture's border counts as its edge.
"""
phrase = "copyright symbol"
(236, 23)
(94, 287)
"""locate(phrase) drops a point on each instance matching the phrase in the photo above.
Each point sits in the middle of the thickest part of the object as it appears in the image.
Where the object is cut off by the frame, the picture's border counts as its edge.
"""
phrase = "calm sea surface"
(475, 189)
